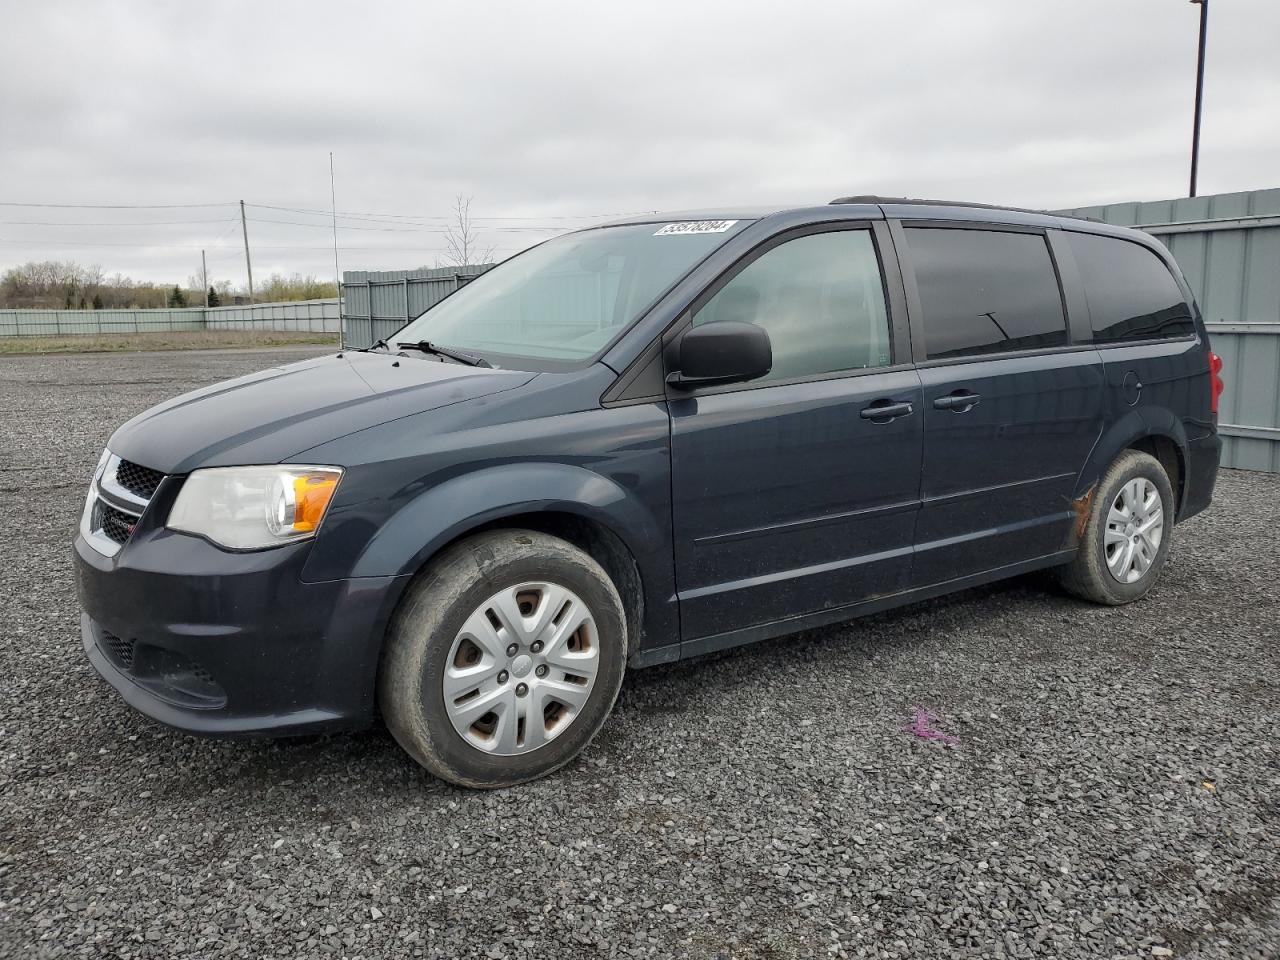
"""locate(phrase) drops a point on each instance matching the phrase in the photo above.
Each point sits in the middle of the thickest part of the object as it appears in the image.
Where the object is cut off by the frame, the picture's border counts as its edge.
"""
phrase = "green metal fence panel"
(52, 323)
(375, 304)
(303, 316)
(1228, 246)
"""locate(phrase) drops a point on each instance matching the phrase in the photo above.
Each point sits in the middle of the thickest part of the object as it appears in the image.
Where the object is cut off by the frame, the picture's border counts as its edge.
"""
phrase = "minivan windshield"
(565, 299)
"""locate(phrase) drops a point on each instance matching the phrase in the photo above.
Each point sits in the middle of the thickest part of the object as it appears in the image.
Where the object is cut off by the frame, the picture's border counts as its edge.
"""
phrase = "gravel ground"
(1115, 791)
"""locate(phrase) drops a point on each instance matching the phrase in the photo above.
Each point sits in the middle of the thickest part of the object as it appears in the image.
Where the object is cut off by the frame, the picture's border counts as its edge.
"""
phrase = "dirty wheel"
(1126, 535)
(504, 658)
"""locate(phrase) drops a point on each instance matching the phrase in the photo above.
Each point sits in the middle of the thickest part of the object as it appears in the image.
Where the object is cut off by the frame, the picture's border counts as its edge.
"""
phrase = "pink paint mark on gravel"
(924, 726)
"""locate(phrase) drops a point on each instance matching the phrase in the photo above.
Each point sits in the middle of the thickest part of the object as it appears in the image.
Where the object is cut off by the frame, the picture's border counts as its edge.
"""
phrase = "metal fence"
(377, 304)
(1228, 246)
(311, 316)
(298, 316)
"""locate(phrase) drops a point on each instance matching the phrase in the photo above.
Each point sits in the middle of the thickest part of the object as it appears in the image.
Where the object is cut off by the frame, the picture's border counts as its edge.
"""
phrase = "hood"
(267, 417)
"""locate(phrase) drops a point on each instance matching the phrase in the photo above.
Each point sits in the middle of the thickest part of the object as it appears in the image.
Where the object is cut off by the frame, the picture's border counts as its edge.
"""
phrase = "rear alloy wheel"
(1135, 527)
(503, 659)
(1126, 534)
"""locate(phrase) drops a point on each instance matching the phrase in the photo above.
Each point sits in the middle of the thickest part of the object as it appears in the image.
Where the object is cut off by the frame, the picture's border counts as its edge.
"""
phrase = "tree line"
(66, 285)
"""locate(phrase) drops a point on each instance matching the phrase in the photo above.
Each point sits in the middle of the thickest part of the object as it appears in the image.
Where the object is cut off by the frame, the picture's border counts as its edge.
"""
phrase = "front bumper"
(224, 644)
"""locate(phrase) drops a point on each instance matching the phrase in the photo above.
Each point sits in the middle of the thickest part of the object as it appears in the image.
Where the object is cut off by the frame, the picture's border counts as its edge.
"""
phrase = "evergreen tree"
(97, 301)
(214, 299)
(177, 298)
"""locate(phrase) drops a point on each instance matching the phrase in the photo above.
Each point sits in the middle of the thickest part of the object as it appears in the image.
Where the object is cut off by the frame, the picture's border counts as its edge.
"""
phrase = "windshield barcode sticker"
(695, 226)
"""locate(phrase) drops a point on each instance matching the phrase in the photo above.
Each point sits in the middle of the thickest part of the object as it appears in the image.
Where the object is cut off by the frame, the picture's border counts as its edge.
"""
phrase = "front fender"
(444, 512)
(407, 539)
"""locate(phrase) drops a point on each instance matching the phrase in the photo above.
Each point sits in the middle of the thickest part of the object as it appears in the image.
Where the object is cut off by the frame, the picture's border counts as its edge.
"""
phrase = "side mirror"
(727, 351)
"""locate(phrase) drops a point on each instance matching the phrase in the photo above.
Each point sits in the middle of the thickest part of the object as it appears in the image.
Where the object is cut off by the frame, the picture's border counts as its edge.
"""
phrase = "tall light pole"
(1195, 129)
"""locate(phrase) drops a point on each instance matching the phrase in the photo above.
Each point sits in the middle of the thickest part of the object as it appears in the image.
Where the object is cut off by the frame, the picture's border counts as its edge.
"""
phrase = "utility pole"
(204, 278)
(1195, 129)
(333, 201)
(248, 265)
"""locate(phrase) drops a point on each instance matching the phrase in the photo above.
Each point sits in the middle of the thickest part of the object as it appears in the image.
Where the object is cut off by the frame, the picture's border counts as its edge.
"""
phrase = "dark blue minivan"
(641, 442)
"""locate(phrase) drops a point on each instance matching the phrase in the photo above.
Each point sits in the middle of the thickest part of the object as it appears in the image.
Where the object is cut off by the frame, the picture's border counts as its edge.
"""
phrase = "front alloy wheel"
(521, 668)
(503, 658)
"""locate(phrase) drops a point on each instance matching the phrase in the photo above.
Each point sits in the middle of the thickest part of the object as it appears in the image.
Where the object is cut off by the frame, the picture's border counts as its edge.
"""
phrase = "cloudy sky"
(139, 126)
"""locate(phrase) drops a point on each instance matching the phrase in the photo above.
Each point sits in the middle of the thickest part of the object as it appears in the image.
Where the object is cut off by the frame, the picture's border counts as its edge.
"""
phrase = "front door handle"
(884, 410)
(960, 401)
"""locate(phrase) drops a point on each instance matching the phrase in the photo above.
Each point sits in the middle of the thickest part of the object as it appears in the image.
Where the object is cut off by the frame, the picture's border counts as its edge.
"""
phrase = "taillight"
(1215, 383)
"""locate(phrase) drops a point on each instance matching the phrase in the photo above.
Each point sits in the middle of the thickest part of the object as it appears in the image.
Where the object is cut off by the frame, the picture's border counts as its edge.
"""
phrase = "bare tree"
(65, 285)
(50, 283)
(463, 244)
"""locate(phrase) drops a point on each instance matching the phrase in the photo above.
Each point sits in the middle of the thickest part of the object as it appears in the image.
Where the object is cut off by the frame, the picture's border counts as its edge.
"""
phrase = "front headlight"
(248, 508)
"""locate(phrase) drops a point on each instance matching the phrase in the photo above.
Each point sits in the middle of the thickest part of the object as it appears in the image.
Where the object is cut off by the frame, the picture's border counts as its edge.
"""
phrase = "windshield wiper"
(428, 347)
(374, 346)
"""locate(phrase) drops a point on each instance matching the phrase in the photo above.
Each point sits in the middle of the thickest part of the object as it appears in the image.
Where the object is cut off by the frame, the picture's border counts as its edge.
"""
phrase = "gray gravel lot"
(1115, 791)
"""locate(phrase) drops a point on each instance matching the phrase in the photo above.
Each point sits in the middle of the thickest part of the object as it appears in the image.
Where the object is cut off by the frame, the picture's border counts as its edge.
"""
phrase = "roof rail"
(872, 199)
(938, 203)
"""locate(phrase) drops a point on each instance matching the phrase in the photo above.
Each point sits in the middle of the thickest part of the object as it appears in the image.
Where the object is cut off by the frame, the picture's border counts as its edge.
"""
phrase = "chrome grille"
(138, 480)
(118, 497)
(116, 524)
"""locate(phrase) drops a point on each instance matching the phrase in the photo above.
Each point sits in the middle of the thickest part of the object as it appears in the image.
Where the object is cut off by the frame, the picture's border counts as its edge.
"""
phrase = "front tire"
(503, 659)
(1127, 533)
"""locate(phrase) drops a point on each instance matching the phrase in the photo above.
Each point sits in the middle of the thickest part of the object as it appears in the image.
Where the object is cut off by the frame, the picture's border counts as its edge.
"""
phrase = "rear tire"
(503, 659)
(1127, 533)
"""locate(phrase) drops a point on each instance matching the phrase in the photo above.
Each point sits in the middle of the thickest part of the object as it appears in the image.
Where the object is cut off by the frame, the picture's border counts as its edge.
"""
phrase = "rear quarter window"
(985, 291)
(1131, 293)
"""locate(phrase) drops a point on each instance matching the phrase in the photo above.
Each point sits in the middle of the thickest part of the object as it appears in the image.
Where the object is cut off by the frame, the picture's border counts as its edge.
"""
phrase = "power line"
(530, 228)
(310, 210)
(196, 246)
(306, 210)
(104, 223)
(443, 216)
(118, 206)
(417, 229)
(46, 242)
(226, 230)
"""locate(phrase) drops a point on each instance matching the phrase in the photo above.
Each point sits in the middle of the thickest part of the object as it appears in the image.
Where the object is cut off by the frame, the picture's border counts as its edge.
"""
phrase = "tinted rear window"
(986, 291)
(1132, 295)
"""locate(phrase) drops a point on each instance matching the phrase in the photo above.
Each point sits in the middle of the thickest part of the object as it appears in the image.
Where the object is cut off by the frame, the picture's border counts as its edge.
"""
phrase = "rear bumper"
(1203, 455)
(227, 644)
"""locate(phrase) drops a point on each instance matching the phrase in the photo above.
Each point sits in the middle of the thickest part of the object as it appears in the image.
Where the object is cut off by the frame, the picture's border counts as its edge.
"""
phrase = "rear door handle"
(960, 401)
(884, 410)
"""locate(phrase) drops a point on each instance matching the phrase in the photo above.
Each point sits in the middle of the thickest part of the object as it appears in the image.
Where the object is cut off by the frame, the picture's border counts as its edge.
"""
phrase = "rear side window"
(821, 299)
(986, 291)
(1132, 295)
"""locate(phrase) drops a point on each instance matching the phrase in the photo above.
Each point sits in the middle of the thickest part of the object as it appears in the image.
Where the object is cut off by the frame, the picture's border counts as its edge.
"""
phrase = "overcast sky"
(552, 114)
